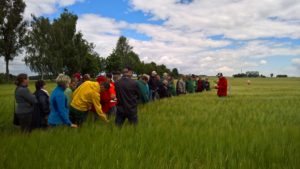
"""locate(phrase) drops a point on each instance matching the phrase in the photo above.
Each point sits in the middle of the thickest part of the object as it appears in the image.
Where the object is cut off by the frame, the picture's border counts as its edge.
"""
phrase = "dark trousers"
(76, 116)
(25, 121)
(121, 116)
(112, 111)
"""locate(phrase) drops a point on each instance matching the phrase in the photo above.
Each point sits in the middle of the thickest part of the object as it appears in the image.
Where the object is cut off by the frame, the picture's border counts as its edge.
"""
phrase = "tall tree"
(122, 56)
(62, 45)
(38, 38)
(175, 72)
(12, 29)
(56, 47)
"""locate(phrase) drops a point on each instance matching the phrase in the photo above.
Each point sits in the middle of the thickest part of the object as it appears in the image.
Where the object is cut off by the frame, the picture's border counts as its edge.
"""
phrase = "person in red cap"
(77, 79)
(222, 85)
(77, 76)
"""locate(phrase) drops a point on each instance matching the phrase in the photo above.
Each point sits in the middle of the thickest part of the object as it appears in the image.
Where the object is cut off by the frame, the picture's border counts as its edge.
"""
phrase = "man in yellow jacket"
(84, 97)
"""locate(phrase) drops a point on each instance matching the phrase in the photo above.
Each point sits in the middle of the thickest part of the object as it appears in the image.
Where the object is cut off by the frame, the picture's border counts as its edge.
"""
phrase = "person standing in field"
(171, 86)
(144, 89)
(42, 109)
(206, 84)
(222, 85)
(200, 86)
(84, 97)
(59, 114)
(25, 103)
(190, 86)
(104, 97)
(127, 94)
(69, 90)
(180, 87)
(113, 98)
(163, 90)
(153, 85)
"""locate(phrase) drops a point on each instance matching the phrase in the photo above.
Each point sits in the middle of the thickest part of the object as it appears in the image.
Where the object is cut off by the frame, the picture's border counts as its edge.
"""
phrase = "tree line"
(52, 47)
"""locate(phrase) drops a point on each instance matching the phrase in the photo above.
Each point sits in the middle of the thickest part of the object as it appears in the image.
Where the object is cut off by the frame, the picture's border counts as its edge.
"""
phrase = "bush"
(282, 76)
(3, 78)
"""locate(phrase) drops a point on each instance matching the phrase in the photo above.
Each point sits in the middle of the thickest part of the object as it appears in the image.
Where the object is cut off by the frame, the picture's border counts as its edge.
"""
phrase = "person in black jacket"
(128, 93)
(153, 85)
(42, 108)
(25, 103)
(163, 90)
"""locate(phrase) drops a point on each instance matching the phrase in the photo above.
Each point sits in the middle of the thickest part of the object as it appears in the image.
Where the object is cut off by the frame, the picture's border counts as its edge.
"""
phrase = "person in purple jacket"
(59, 114)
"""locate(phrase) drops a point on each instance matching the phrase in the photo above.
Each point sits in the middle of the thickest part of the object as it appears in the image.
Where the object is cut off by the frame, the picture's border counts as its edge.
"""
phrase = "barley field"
(256, 127)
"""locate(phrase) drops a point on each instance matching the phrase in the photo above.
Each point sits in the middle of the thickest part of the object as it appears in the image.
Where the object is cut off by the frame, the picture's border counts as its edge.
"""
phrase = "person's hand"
(74, 125)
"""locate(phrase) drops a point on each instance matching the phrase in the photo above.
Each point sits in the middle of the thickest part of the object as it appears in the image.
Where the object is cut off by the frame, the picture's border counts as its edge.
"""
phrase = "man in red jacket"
(222, 85)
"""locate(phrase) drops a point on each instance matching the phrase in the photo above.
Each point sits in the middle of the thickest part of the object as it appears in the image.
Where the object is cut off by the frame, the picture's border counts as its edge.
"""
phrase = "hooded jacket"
(87, 95)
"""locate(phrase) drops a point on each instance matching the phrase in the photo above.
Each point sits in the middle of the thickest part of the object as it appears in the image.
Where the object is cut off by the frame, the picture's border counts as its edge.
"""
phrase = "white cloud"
(40, 7)
(225, 69)
(296, 61)
(233, 19)
(263, 62)
(184, 39)
(189, 51)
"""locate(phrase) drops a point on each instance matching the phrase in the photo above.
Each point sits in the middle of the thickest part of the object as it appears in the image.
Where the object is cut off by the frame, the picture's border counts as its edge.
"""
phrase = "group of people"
(112, 94)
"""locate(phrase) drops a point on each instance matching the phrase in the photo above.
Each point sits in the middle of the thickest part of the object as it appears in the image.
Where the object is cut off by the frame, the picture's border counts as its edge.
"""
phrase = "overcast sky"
(195, 36)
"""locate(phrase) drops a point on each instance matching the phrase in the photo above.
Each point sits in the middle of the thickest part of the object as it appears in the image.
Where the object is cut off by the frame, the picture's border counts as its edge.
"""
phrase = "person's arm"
(25, 93)
(97, 105)
(44, 102)
(62, 109)
(137, 91)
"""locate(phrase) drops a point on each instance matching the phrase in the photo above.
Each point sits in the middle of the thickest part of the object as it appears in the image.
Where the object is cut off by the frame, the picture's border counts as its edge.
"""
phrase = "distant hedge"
(282, 76)
(4, 79)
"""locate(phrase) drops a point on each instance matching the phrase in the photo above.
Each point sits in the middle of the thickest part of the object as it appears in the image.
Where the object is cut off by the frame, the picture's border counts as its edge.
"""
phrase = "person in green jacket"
(69, 90)
(144, 89)
(190, 87)
(171, 86)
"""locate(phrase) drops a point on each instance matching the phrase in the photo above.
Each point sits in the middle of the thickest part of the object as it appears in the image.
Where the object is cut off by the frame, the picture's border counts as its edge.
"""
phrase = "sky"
(195, 36)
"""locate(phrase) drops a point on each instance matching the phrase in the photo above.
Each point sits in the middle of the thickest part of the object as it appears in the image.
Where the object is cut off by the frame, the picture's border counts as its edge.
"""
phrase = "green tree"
(62, 47)
(92, 64)
(12, 29)
(57, 47)
(122, 56)
(37, 50)
(175, 72)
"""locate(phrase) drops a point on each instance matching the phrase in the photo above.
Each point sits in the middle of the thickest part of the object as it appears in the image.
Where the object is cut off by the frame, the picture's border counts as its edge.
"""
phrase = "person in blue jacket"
(59, 114)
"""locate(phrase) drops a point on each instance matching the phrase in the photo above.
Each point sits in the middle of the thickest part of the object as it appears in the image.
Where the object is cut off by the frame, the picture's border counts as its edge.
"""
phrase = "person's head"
(157, 77)
(77, 76)
(116, 75)
(86, 77)
(219, 75)
(153, 73)
(22, 80)
(144, 78)
(109, 76)
(40, 84)
(165, 82)
(104, 86)
(127, 71)
(63, 80)
(165, 75)
(100, 79)
(73, 83)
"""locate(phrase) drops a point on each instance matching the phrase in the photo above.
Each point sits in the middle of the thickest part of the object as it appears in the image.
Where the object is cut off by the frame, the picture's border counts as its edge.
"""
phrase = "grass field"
(257, 127)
